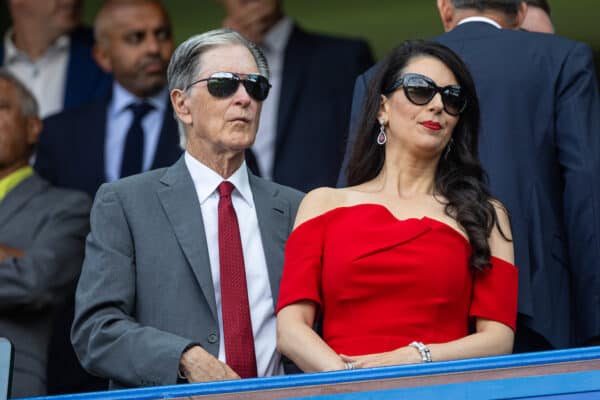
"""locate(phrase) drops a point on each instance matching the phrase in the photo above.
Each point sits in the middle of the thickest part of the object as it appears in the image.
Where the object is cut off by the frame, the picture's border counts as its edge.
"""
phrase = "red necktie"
(237, 326)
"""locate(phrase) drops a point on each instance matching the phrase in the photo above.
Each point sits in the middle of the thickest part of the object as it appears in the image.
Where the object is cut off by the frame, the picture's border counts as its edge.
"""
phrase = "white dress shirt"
(260, 297)
(480, 19)
(118, 122)
(45, 77)
(273, 46)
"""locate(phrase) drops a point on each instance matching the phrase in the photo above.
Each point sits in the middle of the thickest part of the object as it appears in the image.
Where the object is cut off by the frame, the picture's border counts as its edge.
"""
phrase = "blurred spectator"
(42, 232)
(50, 52)
(131, 131)
(303, 125)
(538, 17)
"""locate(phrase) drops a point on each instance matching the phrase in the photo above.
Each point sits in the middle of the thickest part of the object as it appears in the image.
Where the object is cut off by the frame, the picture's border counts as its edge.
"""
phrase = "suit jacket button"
(212, 338)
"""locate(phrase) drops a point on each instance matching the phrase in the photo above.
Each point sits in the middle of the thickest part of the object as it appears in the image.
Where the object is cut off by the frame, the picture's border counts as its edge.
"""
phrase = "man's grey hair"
(29, 105)
(185, 62)
(509, 7)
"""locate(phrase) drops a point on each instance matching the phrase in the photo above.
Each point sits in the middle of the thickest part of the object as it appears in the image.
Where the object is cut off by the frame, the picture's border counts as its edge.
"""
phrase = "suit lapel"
(274, 224)
(295, 63)
(180, 202)
(19, 196)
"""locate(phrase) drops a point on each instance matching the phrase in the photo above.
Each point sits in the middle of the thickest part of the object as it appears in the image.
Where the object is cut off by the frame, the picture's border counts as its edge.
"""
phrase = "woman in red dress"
(413, 262)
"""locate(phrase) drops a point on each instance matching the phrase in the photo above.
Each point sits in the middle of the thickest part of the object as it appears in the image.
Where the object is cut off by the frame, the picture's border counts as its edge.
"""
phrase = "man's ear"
(521, 15)
(102, 57)
(34, 128)
(180, 106)
(446, 10)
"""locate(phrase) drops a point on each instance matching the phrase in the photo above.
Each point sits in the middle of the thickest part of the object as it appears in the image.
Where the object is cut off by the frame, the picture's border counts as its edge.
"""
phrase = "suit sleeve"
(578, 145)
(108, 340)
(52, 262)
(358, 98)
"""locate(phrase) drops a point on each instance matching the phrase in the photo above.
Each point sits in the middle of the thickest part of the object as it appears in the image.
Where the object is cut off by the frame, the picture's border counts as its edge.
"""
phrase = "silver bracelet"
(423, 350)
(348, 365)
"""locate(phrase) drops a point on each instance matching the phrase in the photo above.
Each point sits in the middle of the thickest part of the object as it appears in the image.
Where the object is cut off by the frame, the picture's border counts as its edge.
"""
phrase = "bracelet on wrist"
(423, 351)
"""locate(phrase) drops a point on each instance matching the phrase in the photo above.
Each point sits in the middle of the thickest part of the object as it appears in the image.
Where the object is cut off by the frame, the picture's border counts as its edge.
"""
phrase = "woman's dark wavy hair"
(459, 176)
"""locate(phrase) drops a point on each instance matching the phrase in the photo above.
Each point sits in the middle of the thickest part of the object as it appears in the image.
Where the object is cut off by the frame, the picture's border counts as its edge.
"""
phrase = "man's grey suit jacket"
(49, 225)
(146, 290)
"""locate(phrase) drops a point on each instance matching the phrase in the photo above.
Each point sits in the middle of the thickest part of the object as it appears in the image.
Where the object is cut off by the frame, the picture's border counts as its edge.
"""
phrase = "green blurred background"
(384, 23)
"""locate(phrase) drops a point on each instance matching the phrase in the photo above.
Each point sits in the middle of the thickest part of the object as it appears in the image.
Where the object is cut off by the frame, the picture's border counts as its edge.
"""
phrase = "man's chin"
(243, 142)
(152, 88)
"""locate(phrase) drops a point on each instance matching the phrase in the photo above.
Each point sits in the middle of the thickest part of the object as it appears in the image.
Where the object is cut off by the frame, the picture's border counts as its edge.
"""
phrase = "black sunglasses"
(420, 89)
(225, 84)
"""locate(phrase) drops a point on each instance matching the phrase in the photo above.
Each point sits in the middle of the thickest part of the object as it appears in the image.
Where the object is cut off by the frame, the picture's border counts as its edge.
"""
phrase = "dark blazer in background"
(85, 81)
(540, 145)
(49, 225)
(314, 105)
(146, 290)
(71, 149)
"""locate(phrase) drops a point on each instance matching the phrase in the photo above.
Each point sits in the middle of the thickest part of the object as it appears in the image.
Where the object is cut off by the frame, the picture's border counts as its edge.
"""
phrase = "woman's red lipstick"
(434, 126)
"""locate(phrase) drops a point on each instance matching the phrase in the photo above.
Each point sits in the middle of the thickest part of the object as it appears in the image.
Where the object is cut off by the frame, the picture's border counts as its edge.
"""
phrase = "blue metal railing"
(316, 379)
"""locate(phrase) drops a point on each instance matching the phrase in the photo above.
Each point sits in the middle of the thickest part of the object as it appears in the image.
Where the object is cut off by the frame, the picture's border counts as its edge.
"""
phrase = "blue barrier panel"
(561, 372)
(571, 386)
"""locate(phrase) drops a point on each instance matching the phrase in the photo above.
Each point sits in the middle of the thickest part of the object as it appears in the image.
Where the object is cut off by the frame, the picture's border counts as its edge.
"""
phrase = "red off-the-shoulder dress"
(381, 283)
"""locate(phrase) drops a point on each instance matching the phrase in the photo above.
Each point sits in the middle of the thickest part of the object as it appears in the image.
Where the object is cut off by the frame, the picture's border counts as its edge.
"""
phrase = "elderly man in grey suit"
(42, 232)
(183, 264)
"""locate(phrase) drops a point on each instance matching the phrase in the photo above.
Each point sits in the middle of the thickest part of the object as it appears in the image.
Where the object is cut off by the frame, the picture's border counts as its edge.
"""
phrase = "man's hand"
(6, 252)
(200, 366)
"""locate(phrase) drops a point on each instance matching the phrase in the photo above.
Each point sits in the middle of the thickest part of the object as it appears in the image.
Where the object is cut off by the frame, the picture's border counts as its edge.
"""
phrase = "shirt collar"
(12, 180)
(11, 53)
(206, 180)
(122, 98)
(276, 39)
(480, 19)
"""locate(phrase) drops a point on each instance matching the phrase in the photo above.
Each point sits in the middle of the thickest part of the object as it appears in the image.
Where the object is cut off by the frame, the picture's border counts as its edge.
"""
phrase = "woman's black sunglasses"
(225, 84)
(420, 89)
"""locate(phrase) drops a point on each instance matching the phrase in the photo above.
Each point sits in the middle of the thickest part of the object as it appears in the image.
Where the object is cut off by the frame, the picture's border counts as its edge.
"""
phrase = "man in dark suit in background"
(303, 123)
(42, 232)
(540, 145)
(49, 50)
(183, 264)
(131, 131)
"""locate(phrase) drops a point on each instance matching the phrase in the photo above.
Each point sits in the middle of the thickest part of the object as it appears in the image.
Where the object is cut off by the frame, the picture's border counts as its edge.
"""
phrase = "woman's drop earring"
(381, 137)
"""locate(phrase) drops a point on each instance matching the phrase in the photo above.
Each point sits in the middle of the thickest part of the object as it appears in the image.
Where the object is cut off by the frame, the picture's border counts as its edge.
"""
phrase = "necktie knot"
(140, 109)
(225, 189)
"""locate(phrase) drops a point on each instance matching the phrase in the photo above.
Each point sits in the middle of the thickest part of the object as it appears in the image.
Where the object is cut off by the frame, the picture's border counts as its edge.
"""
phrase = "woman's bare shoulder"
(319, 201)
